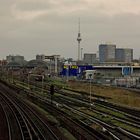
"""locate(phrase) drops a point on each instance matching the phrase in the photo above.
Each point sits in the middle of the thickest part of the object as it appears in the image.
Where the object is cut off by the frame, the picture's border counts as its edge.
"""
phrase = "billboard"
(128, 70)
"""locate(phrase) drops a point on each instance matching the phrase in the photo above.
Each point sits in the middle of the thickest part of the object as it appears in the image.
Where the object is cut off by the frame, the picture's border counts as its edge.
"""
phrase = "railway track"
(119, 130)
(131, 114)
(29, 124)
(44, 130)
(76, 129)
(85, 102)
(18, 128)
(115, 132)
(112, 131)
(84, 96)
(126, 118)
(4, 125)
(111, 128)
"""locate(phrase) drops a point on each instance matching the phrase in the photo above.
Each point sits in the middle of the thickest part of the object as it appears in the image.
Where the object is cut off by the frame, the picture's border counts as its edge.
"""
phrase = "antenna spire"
(79, 25)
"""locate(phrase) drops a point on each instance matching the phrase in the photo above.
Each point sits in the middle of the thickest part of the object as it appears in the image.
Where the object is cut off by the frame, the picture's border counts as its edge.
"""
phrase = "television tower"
(79, 40)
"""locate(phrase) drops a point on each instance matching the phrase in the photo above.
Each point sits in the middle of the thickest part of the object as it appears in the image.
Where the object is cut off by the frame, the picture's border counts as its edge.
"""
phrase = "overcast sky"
(30, 27)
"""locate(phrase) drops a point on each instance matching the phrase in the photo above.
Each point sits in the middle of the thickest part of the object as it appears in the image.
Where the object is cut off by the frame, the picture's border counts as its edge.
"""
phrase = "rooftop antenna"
(79, 39)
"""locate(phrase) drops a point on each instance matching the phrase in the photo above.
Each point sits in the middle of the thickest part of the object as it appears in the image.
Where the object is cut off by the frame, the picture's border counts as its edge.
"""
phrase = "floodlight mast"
(79, 39)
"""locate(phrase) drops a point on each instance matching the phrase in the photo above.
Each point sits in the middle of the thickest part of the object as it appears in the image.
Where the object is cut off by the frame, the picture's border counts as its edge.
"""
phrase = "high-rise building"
(16, 58)
(124, 55)
(40, 57)
(89, 58)
(107, 52)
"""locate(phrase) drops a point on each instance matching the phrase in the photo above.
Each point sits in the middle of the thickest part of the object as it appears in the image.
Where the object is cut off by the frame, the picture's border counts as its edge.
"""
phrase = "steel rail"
(25, 132)
(7, 122)
(37, 121)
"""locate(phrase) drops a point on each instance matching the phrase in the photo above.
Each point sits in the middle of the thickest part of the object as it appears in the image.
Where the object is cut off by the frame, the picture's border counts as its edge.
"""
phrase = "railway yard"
(29, 112)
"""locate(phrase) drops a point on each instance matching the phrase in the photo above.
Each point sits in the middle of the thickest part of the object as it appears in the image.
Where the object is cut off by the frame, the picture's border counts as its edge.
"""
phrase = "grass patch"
(116, 95)
(117, 114)
(126, 127)
(44, 112)
(67, 134)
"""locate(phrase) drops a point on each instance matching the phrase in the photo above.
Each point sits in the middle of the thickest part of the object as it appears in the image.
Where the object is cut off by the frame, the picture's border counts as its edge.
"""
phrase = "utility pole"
(90, 77)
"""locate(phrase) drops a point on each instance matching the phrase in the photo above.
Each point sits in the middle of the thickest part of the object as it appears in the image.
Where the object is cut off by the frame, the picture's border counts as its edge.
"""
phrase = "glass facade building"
(124, 55)
(107, 52)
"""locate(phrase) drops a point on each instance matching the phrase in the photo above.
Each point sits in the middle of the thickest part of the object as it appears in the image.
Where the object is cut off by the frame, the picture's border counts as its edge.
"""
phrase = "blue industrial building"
(75, 70)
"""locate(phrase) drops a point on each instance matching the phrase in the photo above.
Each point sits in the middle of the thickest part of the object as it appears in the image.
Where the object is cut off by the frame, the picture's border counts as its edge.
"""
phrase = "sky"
(30, 27)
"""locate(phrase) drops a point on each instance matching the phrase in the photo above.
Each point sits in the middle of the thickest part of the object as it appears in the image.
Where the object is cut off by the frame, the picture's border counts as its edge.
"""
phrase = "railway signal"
(52, 89)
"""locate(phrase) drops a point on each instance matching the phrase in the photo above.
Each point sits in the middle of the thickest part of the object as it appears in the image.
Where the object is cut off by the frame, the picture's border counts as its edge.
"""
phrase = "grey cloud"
(52, 32)
(33, 5)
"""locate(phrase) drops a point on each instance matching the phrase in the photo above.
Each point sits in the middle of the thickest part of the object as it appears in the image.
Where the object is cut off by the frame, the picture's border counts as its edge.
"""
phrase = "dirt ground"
(116, 95)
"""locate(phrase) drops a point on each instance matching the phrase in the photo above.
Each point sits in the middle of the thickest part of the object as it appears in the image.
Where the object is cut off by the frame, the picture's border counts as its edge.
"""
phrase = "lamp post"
(67, 72)
(42, 82)
(90, 87)
(12, 76)
(28, 80)
(7, 74)
(50, 66)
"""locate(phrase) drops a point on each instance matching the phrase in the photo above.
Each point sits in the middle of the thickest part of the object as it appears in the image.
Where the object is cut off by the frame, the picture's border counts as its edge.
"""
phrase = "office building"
(107, 52)
(11, 58)
(40, 57)
(124, 55)
(89, 58)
